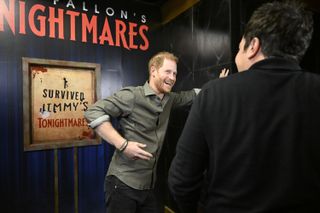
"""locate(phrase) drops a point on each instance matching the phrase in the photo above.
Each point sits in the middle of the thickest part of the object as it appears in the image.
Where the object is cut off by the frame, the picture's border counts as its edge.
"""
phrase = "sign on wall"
(56, 94)
(76, 21)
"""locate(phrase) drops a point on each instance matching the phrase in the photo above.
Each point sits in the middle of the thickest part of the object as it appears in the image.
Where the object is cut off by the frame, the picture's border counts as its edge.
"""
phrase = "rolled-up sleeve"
(93, 124)
(117, 105)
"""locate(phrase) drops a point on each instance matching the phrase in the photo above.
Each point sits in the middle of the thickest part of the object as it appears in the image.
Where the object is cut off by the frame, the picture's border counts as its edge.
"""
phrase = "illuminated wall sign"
(75, 24)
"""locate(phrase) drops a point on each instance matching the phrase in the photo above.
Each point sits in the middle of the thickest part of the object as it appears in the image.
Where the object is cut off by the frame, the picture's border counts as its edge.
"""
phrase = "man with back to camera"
(253, 138)
(143, 114)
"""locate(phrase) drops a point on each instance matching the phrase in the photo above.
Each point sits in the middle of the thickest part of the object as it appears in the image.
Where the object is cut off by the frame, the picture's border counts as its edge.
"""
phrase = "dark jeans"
(121, 198)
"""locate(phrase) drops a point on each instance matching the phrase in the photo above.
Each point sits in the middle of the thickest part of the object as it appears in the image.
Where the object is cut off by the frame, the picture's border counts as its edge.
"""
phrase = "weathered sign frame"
(43, 128)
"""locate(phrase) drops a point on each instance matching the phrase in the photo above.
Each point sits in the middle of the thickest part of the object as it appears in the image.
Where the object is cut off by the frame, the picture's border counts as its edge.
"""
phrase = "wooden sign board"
(55, 96)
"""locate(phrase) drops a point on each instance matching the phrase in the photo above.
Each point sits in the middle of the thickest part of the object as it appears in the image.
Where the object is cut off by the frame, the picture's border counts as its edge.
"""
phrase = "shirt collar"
(149, 92)
(147, 89)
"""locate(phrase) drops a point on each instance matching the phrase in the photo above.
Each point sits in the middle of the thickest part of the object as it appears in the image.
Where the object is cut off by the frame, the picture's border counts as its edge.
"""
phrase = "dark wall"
(311, 60)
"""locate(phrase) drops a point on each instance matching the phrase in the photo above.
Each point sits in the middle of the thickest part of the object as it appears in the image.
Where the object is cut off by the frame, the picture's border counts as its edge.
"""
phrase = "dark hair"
(283, 28)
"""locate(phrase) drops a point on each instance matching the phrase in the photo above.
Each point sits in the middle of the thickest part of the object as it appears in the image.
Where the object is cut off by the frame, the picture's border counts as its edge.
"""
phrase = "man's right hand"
(135, 150)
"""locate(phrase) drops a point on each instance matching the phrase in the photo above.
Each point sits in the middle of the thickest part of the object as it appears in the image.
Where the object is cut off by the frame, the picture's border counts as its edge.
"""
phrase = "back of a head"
(283, 28)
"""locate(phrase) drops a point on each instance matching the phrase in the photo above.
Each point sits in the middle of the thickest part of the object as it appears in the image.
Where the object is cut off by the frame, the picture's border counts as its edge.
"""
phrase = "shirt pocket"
(146, 124)
(145, 117)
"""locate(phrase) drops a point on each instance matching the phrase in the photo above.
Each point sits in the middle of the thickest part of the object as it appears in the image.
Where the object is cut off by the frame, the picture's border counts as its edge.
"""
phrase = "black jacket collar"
(276, 64)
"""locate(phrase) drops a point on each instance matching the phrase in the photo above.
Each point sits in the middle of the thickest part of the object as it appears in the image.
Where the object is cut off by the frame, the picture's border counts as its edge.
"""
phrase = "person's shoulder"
(127, 92)
(315, 76)
(133, 92)
(130, 89)
(313, 79)
(220, 81)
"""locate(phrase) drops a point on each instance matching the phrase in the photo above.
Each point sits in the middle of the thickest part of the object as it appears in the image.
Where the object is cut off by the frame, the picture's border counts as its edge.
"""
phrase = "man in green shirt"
(143, 113)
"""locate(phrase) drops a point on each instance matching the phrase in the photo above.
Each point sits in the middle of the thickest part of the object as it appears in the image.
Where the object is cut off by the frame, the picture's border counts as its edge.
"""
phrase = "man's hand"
(224, 73)
(135, 150)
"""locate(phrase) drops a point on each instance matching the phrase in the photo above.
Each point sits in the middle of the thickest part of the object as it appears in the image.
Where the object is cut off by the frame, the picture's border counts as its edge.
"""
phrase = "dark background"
(205, 37)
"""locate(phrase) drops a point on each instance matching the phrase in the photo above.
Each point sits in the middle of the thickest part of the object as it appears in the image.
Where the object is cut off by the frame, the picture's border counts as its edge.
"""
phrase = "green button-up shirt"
(143, 117)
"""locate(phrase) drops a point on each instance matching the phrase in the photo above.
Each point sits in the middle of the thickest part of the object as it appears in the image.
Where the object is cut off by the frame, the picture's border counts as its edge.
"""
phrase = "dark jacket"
(256, 136)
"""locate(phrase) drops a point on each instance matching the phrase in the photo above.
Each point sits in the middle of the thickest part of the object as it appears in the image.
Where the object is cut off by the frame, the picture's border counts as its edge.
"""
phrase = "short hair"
(283, 28)
(157, 59)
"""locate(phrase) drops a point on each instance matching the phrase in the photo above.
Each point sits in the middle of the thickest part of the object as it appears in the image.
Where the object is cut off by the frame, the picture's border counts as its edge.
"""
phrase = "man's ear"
(254, 48)
(152, 70)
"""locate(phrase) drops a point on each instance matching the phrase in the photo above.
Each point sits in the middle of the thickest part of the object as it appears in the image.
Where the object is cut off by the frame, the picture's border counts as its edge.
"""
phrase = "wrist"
(123, 145)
